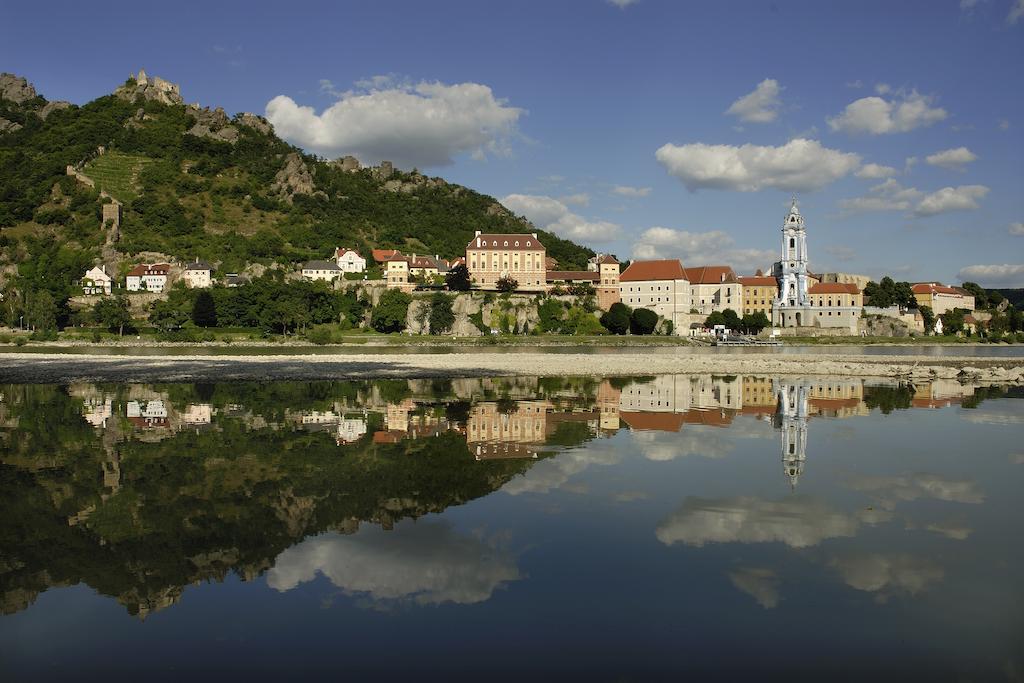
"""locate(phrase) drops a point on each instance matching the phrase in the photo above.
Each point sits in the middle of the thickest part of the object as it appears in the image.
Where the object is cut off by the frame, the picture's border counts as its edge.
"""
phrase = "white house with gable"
(349, 260)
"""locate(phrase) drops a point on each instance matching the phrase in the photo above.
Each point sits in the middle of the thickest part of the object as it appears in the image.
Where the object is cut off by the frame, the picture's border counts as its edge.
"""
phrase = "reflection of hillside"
(139, 491)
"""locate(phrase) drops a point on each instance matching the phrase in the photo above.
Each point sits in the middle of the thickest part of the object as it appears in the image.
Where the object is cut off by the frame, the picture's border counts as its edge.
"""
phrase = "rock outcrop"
(294, 178)
(8, 126)
(51, 107)
(212, 123)
(141, 86)
(255, 122)
(16, 89)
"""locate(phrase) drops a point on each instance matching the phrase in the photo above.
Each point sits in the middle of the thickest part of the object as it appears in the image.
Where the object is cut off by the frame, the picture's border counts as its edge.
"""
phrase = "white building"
(97, 281)
(349, 260)
(198, 274)
(148, 277)
(714, 288)
(327, 271)
(660, 286)
(792, 305)
(791, 418)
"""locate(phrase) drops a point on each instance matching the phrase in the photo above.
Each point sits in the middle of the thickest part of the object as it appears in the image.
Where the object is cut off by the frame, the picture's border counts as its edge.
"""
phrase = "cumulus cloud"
(554, 473)
(554, 216)
(423, 124)
(1016, 12)
(877, 116)
(662, 446)
(951, 529)
(995, 413)
(887, 574)
(759, 583)
(954, 159)
(892, 196)
(875, 171)
(695, 248)
(424, 562)
(841, 253)
(890, 490)
(761, 105)
(799, 165)
(622, 4)
(799, 522)
(961, 198)
(628, 191)
(1017, 228)
(579, 199)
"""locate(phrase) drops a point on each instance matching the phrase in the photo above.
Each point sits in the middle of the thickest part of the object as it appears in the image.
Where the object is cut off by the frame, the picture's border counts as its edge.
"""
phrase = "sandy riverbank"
(54, 367)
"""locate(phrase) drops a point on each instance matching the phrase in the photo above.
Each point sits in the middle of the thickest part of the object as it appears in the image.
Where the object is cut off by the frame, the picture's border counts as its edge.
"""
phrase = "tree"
(441, 316)
(732, 320)
(716, 318)
(204, 310)
(903, 295)
(616, 320)
(581, 289)
(507, 284)
(113, 313)
(643, 321)
(928, 316)
(457, 278)
(390, 312)
(167, 317)
(41, 311)
(980, 296)
(953, 321)
(753, 323)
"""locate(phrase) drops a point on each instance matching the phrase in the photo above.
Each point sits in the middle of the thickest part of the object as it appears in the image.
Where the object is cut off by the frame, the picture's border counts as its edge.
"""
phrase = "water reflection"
(365, 488)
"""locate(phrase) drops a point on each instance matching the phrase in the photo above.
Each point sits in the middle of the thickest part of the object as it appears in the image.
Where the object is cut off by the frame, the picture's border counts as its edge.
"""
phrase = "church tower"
(791, 306)
(791, 419)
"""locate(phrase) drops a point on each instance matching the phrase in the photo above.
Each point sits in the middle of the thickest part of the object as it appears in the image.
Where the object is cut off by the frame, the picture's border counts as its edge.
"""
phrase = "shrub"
(617, 318)
(390, 313)
(643, 321)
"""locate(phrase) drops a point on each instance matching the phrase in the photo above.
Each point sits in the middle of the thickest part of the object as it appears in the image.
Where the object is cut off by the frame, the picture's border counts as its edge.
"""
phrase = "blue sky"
(643, 128)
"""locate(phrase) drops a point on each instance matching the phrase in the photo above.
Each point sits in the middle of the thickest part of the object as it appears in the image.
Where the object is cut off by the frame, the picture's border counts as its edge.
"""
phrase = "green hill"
(196, 183)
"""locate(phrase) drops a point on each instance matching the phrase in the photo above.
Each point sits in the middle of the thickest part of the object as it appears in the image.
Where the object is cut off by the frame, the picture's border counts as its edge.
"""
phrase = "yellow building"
(396, 272)
(758, 294)
(942, 299)
(519, 256)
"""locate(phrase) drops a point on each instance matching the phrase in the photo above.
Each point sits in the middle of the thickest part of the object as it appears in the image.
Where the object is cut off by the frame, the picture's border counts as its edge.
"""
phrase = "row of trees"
(621, 319)
(751, 323)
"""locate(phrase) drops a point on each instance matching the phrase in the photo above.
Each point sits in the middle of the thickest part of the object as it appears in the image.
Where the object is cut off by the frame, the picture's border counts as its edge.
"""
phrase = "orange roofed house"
(660, 286)
(942, 299)
(759, 291)
(491, 257)
(147, 277)
(714, 288)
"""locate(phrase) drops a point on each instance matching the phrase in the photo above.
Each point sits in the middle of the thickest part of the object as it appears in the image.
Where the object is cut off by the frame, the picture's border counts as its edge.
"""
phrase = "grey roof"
(199, 265)
(320, 265)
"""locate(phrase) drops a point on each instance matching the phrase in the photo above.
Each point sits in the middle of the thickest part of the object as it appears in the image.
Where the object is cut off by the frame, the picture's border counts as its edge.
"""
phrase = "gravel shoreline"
(62, 368)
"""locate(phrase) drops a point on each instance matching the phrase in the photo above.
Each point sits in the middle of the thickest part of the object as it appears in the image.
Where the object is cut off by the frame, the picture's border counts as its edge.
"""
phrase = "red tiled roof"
(573, 275)
(834, 288)
(713, 418)
(664, 269)
(150, 269)
(505, 241)
(382, 255)
(710, 275)
(607, 258)
(757, 281)
(341, 251)
(936, 288)
(651, 421)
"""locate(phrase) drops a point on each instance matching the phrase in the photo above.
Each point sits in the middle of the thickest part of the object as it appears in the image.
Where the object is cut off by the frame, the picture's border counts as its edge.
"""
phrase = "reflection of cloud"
(630, 496)
(671, 445)
(760, 584)
(907, 487)
(425, 562)
(798, 522)
(1016, 458)
(950, 529)
(887, 574)
(993, 415)
(553, 473)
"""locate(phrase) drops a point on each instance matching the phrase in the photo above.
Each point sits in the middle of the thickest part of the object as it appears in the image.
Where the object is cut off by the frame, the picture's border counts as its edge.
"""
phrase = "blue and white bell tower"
(791, 307)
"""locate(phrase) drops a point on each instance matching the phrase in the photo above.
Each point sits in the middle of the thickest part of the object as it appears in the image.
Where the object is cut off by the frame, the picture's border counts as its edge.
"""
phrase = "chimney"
(534, 235)
(477, 234)
(722, 276)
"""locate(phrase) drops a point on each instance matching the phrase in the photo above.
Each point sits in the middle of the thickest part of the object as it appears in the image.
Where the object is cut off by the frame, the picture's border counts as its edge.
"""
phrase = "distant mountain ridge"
(196, 183)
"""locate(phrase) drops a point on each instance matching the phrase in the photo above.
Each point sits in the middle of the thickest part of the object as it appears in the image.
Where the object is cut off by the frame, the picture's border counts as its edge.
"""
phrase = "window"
(792, 243)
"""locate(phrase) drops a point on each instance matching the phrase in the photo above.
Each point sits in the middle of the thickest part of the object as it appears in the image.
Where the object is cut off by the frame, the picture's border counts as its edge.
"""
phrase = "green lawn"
(117, 174)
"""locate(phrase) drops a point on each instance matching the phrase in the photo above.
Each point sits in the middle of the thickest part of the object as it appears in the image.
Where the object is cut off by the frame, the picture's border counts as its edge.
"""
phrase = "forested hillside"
(195, 183)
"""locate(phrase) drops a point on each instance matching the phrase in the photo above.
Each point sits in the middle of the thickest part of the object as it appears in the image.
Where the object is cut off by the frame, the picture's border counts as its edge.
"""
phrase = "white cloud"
(883, 88)
(1004, 124)
(423, 124)
(993, 413)
(1017, 228)
(623, 4)
(1005, 275)
(799, 165)
(579, 199)
(798, 522)
(887, 196)
(554, 473)
(1016, 12)
(968, 4)
(629, 191)
(554, 216)
(696, 248)
(759, 583)
(962, 198)
(425, 562)
(761, 105)
(876, 116)
(855, 84)
(875, 171)
(952, 158)
(841, 253)
(951, 529)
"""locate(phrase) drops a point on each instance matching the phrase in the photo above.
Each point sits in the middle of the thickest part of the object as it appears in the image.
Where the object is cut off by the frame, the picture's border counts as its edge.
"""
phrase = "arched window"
(792, 243)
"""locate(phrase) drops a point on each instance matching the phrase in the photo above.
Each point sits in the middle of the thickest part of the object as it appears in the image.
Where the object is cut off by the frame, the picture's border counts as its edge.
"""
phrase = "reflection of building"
(791, 418)
(494, 430)
(147, 414)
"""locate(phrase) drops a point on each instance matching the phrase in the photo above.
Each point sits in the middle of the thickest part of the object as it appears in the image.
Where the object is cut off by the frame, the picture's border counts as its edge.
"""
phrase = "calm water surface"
(662, 528)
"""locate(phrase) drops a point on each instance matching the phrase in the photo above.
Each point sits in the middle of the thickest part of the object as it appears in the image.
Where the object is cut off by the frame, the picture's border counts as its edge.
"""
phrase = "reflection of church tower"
(791, 418)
